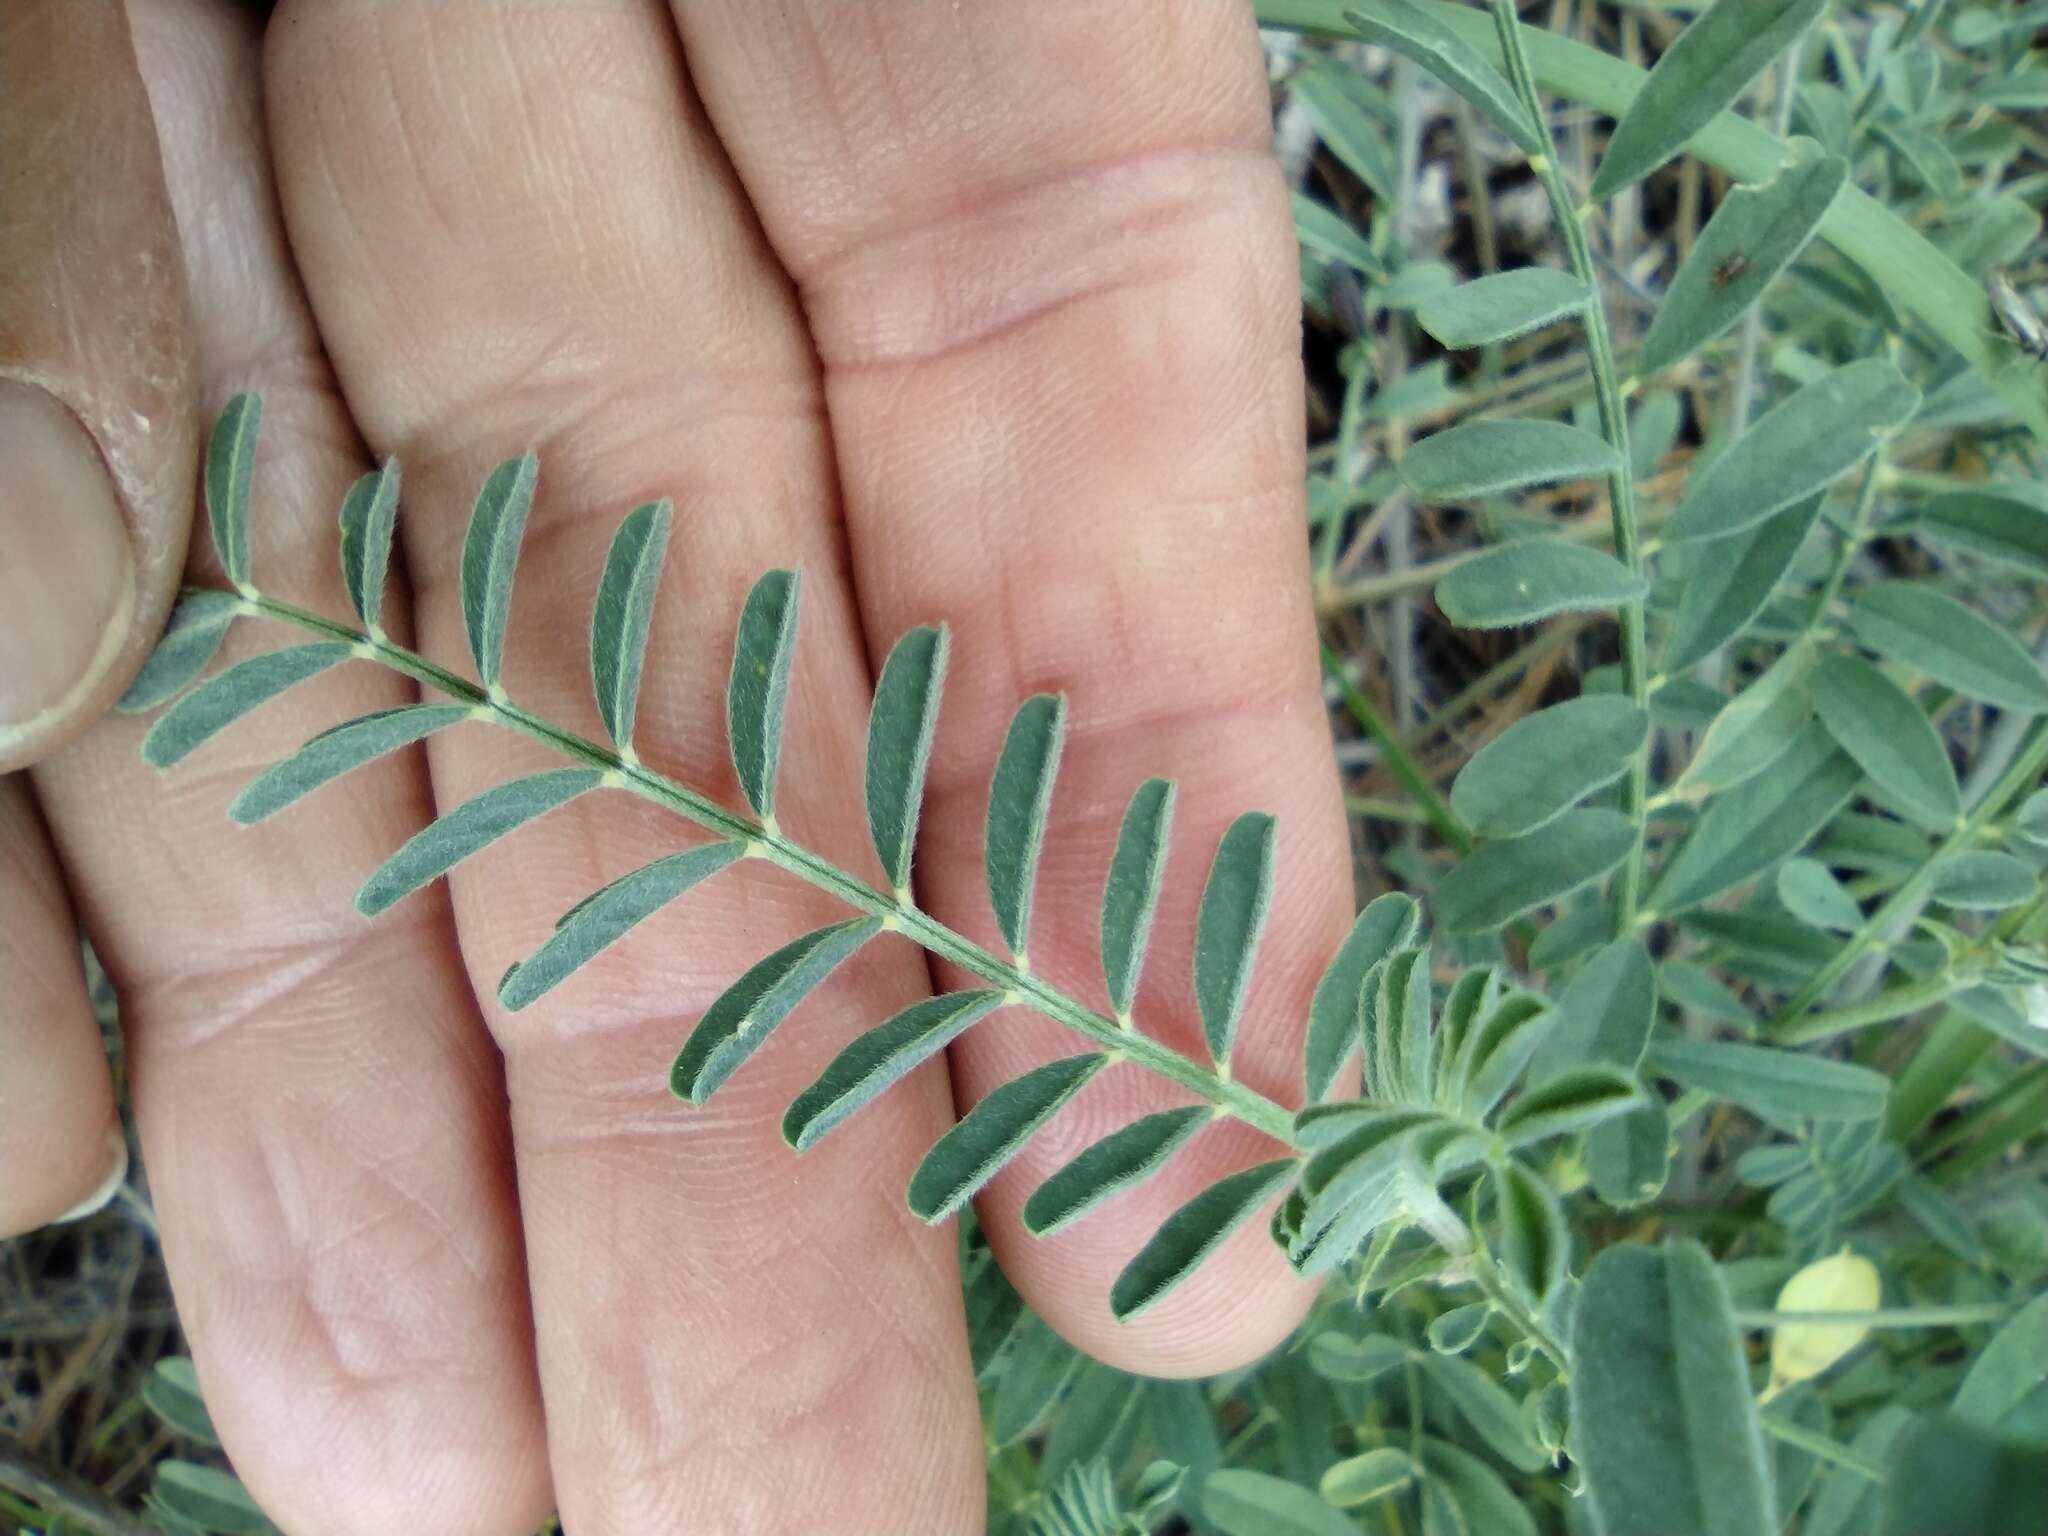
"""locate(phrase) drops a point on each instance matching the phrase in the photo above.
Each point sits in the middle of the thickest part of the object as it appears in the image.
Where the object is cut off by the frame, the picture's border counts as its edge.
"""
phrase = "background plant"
(1709, 964)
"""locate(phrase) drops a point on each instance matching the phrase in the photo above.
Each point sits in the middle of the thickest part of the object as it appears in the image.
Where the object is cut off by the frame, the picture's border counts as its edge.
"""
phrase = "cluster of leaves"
(1784, 950)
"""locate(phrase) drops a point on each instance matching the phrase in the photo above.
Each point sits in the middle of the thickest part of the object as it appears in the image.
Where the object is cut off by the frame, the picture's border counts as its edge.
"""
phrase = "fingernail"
(110, 1186)
(67, 575)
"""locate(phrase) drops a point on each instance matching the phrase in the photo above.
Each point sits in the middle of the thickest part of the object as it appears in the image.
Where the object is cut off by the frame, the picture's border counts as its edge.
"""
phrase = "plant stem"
(1228, 1095)
(1820, 1447)
(1621, 492)
(1887, 1317)
(1433, 806)
(71, 1500)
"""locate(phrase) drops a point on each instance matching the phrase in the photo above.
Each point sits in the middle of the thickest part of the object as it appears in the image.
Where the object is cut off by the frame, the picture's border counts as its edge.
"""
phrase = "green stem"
(1820, 1447)
(1228, 1095)
(1892, 1003)
(1621, 491)
(1886, 1317)
(1433, 806)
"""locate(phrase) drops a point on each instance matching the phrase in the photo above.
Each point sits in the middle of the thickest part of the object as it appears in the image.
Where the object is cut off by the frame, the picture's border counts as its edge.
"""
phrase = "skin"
(983, 314)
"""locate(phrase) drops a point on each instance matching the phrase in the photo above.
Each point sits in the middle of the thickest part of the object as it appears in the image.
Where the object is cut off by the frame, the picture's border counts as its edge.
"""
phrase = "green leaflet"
(1119, 1160)
(1535, 1244)
(1801, 445)
(1040, 1367)
(1752, 237)
(1889, 736)
(369, 516)
(1983, 879)
(1951, 1477)
(1019, 795)
(1750, 827)
(220, 701)
(1604, 1013)
(1784, 1085)
(1710, 65)
(1666, 1429)
(1497, 1051)
(1455, 1331)
(900, 727)
(2012, 1369)
(1729, 582)
(1754, 729)
(172, 1394)
(1478, 1501)
(625, 608)
(1628, 1159)
(1812, 894)
(1484, 458)
(1242, 1503)
(1328, 236)
(1471, 997)
(1500, 307)
(1387, 921)
(1326, 92)
(490, 556)
(1192, 1233)
(2005, 523)
(1505, 879)
(1573, 1101)
(470, 828)
(1546, 763)
(211, 1499)
(337, 751)
(1131, 893)
(1368, 1478)
(1399, 1066)
(1414, 34)
(993, 1132)
(748, 1011)
(601, 919)
(1933, 634)
(759, 687)
(1234, 905)
(1533, 579)
(1850, 1504)
(1338, 1357)
(191, 636)
(879, 1059)
(1481, 1401)
(1359, 1164)
(230, 464)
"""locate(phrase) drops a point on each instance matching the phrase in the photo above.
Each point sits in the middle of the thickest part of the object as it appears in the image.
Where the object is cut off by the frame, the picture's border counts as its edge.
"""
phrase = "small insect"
(2016, 314)
(1732, 266)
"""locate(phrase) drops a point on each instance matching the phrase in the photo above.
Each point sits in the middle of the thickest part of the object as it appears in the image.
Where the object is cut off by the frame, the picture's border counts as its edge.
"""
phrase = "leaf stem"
(1435, 809)
(1227, 1094)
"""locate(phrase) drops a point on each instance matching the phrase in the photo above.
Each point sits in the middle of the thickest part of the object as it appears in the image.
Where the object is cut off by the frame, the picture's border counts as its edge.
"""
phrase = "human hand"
(982, 314)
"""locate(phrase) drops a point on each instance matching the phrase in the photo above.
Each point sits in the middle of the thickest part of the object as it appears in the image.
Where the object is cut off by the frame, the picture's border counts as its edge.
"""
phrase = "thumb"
(97, 414)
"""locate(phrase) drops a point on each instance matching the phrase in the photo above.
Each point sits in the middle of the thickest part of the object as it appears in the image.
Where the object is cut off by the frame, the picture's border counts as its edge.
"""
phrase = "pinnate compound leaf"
(1533, 579)
(335, 752)
(606, 916)
(625, 608)
(1368, 1478)
(879, 1059)
(1192, 1233)
(468, 829)
(1546, 763)
(1500, 307)
(1019, 796)
(1783, 1085)
(220, 701)
(1130, 896)
(900, 728)
(1570, 1102)
(369, 516)
(1939, 637)
(1387, 922)
(230, 465)
(1233, 913)
(1414, 34)
(1890, 736)
(1119, 1160)
(748, 1012)
(1730, 581)
(1752, 237)
(1484, 458)
(1503, 880)
(1798, 447)
(1535, 1243)
(993, 1132)
(191, 636)
(759, 685)
(490, 558)
(213, 1500)
(1768, 817)
(1706, 69)
(1245, 1503)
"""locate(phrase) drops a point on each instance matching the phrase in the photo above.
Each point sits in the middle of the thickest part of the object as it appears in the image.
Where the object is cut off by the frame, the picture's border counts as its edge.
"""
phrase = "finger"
(96, 408)
(318, 1101)
(1062, 366)
(728, 1340)
(61, 1148)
